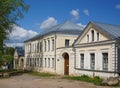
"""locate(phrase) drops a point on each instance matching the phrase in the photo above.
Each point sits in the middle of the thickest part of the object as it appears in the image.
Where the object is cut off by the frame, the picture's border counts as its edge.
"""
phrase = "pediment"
(86, 36)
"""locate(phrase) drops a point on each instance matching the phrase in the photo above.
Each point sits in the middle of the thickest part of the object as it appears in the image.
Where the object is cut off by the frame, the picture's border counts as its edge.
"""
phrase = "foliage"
(96, 80)
(42, 74)
(10, 51)
(10, 12)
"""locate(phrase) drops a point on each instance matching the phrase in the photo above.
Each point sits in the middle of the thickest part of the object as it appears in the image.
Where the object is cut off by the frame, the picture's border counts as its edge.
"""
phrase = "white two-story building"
(95, 52)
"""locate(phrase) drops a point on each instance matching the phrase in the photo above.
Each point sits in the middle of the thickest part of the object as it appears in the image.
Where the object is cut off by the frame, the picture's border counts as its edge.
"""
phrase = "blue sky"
(43, 14)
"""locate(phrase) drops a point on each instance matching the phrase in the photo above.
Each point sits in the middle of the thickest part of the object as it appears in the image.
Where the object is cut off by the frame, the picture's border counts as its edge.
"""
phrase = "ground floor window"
(105, 61)
(48, 62)
(40, 62)
(92, 61)
(53, 61)
(82, 61)
(45, 62)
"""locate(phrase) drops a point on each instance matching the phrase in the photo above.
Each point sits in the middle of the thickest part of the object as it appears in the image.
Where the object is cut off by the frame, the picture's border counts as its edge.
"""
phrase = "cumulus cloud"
(117, 6)
(75, 13)
(81, 25)
(49, 22)
(86, 12)
(20, 34)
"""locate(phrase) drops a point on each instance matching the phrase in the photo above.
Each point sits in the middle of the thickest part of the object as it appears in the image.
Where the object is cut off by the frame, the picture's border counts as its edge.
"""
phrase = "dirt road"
(29, 81)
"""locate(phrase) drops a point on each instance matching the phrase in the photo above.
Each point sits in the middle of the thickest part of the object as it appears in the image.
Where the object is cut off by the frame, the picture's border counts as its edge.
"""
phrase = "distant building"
(64, 49)
(19, 58)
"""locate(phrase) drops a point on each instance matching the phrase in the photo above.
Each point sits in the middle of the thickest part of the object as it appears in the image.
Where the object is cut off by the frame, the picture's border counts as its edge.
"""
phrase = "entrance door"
(66, 64)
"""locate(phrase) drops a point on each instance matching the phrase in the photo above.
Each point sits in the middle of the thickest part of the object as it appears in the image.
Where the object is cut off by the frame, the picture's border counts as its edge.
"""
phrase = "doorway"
(66, 63)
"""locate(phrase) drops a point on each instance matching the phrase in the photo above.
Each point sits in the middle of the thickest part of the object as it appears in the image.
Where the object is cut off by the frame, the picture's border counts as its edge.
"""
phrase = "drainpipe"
(55, 50)
(115, 59)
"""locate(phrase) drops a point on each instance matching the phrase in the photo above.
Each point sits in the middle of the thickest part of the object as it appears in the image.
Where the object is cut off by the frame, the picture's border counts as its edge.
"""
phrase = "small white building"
(95, 52)
(19, 58)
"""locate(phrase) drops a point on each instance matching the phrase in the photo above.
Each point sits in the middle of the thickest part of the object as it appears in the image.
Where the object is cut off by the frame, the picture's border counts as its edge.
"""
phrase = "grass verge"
(42, 74)
(96, 80)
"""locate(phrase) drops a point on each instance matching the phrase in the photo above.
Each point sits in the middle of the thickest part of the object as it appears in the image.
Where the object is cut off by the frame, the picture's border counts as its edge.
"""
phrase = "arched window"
(92, 33)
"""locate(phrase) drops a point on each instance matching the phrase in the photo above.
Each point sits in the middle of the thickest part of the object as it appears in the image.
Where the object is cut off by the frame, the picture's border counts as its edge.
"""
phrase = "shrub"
(97, 80)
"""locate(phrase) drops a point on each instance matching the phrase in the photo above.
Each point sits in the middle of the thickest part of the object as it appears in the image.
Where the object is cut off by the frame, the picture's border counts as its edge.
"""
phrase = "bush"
(97, 80)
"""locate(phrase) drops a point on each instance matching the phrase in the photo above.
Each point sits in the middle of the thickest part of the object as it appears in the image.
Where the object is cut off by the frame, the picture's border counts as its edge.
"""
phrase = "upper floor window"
(92, 34)
(53, 44)
(87, 38)
(97, 36)
(40, 46)
(67, 42)
(48, 45)
(45, 45)
(105, 61)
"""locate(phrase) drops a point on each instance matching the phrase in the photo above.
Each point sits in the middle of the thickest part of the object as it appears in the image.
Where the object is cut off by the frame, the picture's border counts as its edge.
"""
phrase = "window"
(92, 33)
(48, 45)
(37, 47)
(92, 61)
(53, 44)
(45, 62)
(82, 61)
(87, 38)
(45, 45)
(40, 46)
(67, 42)
(40, 62)
(97, 36)
(53, 62)
(105, 61)
(48, 62)
(30, 62)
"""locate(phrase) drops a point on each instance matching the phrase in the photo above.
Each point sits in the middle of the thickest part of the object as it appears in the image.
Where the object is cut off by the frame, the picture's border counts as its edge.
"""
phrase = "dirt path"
(29, 81)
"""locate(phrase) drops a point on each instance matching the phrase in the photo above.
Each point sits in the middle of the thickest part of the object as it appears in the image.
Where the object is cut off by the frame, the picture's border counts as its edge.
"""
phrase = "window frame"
(105, 65)
(92, 61)
(92, 35)
(67, 42)
(82, 60)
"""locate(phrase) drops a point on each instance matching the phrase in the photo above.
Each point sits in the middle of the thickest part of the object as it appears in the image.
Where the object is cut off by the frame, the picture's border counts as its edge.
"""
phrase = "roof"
(64, 28)
(20, 51)
(113, 31)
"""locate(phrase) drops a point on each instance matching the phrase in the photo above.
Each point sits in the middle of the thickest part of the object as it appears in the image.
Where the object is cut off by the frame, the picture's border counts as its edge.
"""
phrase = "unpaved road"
(29, 81)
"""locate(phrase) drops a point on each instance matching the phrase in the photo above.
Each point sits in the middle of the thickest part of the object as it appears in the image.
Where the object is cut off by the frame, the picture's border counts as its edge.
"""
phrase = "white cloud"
(81, 25)
(15, 44)
(20, 34)
(75, 13)
(117, 6)
(51, 21)
(86, 12)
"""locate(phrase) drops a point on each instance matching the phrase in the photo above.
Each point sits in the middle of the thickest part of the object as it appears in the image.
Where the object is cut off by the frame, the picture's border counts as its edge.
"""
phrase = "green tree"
(9, 51)
(10, 12)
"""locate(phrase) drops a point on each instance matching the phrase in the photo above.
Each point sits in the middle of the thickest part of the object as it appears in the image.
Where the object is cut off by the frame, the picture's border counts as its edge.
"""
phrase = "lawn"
(42, 74)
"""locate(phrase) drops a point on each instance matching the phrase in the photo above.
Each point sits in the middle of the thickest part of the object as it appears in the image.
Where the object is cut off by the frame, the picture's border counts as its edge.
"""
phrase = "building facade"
(95, 52)
(41, 51)
(18, 58)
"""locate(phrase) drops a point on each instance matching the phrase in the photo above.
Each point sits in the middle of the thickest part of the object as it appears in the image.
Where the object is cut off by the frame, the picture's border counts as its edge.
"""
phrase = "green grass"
(96, 80)
(42, 74)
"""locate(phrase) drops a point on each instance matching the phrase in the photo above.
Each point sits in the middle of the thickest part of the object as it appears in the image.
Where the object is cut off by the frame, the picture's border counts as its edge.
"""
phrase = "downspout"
(55, 51)
(115, 60)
